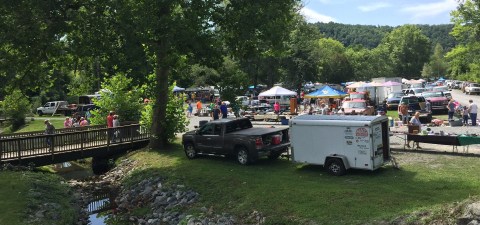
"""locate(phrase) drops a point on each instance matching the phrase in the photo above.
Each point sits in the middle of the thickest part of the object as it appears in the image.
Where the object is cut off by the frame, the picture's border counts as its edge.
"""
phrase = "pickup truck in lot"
(238, 138)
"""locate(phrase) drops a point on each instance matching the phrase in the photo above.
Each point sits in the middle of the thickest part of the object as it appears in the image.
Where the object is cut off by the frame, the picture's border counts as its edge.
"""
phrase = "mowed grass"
(290, 193)
(38, 124)
(13, 189)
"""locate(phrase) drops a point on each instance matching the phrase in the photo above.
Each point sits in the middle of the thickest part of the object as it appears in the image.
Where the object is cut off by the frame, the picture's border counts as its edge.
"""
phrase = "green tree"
(437, 63)
(427, 71)
(334, 64)
(118, 96)
(301, 64)
(16, 106)
(408, 49)
(464, 58)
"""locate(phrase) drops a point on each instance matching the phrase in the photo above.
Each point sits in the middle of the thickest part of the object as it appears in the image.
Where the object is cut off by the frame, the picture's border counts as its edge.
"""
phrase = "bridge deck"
(71, 144)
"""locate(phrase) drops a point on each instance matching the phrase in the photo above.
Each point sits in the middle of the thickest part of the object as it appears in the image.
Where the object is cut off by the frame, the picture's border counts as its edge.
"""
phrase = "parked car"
(414, 91)
(358, 107)
(417, 104)
(445, 90)
(238, 138)
(56, 107)
(472, 88)
(437, 99)
(358, 95)
(393, 99)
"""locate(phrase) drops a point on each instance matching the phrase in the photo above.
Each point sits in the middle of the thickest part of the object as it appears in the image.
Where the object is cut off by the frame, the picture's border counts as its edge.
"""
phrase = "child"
(465, 116)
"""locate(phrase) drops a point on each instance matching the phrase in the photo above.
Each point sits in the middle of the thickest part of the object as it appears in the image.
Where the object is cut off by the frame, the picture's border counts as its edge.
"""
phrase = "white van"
(340, 143)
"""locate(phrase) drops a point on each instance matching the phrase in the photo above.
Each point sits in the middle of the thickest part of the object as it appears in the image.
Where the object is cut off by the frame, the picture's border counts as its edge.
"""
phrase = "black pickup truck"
(238, 138)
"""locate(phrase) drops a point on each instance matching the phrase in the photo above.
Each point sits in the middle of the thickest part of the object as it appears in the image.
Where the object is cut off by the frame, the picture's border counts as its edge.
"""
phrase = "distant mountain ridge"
(370, 36)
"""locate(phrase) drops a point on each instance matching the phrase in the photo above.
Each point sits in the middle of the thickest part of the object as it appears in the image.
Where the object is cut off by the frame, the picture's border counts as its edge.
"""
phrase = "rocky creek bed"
(168, 204)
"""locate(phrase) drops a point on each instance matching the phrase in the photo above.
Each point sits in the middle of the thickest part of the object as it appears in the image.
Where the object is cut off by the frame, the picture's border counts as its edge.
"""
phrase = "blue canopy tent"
(176, 89)
(326, 92)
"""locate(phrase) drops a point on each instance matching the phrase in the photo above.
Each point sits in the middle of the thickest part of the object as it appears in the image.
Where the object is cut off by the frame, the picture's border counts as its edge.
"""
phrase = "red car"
(359, 106)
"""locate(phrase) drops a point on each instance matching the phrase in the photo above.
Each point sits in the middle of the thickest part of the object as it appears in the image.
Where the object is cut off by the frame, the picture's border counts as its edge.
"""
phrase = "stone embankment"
(166, 203)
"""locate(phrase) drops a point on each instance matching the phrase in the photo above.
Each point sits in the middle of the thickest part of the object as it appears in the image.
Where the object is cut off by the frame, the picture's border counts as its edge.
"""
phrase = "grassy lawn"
(38, 124)
(23, 192)
(289, 193)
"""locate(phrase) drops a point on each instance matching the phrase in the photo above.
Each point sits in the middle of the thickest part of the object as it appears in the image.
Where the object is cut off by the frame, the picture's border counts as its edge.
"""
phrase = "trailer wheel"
(190, 151)
(335, 167)
(40, 112)
(242, 156)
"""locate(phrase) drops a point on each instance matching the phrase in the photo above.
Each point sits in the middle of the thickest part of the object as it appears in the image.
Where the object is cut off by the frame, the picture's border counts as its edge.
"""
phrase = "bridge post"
(82, 134)
(1, 148)
(19, 151)
(131, 136)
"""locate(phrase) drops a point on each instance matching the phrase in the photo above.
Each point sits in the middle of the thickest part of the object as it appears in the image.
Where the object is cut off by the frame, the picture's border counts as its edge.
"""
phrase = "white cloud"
(313, 17)
(421, 11)
(374, 6)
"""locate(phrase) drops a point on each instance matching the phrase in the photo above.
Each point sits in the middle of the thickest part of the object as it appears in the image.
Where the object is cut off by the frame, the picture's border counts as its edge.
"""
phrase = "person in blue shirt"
(223, 109)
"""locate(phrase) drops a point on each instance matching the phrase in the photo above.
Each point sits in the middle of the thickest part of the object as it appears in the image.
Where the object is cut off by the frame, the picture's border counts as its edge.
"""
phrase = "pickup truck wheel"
(190, 151)
(242, 156)
(335, 167)
(40, 112)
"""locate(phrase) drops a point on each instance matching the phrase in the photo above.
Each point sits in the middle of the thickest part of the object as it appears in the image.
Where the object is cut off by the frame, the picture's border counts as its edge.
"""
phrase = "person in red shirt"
(110, 119)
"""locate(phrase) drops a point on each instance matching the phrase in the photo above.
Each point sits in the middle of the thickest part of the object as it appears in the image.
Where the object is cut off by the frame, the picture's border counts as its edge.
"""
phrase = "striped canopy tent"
(326, 92)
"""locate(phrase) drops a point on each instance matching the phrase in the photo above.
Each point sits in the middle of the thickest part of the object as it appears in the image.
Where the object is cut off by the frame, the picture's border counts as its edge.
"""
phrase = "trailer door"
(377, 146)
(363, 148)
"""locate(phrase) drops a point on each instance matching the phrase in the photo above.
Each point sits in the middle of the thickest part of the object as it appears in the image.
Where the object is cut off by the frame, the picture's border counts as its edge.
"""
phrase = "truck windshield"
(357, 96)
(354, 105)
(432, 94)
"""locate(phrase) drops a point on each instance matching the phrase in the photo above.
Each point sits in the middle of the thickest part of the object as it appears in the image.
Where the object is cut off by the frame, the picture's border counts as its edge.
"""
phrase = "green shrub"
(118, 96)
(176, 120)
(15, 106)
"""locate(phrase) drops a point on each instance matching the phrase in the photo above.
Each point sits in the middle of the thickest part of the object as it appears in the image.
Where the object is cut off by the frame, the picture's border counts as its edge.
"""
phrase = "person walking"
(428, 106)
(49, 130)
(472, 111)
(451, 109)
(110, 124)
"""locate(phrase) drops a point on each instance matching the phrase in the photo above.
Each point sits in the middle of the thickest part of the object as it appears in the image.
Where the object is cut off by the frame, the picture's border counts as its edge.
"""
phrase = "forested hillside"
(370, 36)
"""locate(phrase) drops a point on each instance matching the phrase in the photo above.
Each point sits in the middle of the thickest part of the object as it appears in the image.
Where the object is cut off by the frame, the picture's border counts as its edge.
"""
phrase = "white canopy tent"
(277, 91)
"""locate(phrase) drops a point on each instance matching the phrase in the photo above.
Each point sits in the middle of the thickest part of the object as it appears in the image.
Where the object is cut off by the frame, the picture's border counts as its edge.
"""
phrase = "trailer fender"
(341, 157)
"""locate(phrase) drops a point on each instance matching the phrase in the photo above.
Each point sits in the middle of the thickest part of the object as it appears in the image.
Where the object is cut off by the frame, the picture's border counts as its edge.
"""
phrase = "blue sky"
(379, 12)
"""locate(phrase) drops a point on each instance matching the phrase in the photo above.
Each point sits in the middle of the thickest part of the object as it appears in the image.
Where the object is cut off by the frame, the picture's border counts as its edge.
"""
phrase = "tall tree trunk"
(161, 100)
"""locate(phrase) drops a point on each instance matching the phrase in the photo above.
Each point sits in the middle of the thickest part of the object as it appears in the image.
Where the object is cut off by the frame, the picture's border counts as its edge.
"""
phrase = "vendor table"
(467, 141)
(434, 139)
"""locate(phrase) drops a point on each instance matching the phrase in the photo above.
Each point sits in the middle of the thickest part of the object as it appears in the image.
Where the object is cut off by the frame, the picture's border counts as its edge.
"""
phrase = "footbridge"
(38, 149)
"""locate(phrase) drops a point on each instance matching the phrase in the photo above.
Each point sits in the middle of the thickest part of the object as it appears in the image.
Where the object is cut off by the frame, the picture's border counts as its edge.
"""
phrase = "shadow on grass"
(292, 193)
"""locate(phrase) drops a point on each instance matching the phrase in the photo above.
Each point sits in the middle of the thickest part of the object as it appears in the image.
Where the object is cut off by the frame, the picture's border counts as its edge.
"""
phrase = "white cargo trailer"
(340, 142)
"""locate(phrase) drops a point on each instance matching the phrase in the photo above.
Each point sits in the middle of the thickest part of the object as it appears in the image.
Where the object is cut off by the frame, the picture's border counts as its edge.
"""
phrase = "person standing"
(199, 107)
(451, 109)
(428, 106)
(110, 119)
(116, 124)
(465, 116)
(403, 112)
(415, 121)
(67, 123)
(215, 112)
(189, 109)
(49, 130)
(83, 122)
(224, 110)
(472, 110)
(276, 108)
